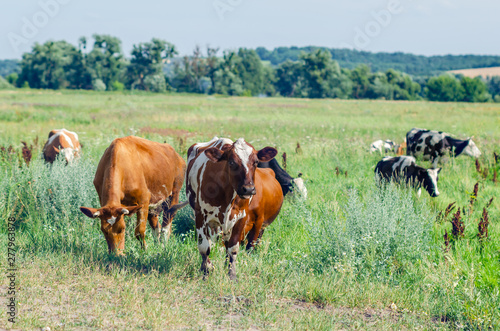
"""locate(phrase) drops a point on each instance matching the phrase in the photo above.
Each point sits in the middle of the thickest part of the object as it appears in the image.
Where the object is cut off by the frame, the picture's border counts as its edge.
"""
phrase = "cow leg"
(204, 244)
(252, 238)
(140, 228)
(166, 226)
(153, 222)
(233, 246)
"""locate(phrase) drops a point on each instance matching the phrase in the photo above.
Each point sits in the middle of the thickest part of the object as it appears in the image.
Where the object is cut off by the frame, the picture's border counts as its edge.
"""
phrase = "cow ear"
(214, 154)
(129, 210)
(266, 154)
(90, 212)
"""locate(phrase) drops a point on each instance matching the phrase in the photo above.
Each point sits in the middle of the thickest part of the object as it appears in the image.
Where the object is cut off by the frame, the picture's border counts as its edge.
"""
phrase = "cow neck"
(112, 191)
(457, 144)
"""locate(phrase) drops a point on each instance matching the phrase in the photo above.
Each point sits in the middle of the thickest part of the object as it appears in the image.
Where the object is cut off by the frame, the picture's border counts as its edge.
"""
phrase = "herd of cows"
(234, 190)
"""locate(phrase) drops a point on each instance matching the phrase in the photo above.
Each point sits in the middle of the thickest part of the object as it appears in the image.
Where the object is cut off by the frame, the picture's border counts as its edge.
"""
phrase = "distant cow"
(222, 183)
(136, 175)
(61, 141)
(433, 145)
(404, 168)
(387, 146)
(287, 182)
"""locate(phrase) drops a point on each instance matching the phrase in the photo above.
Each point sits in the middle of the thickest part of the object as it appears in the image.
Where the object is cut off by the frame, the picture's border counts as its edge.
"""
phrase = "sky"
(426, 27)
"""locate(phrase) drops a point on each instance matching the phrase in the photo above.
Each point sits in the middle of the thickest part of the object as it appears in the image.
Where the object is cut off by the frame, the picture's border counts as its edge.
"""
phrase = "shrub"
(98, 85)
(383, 234)
(117, 86)
(155, 83)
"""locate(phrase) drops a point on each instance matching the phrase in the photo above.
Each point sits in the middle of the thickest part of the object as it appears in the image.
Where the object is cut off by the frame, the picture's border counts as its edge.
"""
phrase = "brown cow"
(62, 141)
(264, 207)
(136, 175)
(220, 188)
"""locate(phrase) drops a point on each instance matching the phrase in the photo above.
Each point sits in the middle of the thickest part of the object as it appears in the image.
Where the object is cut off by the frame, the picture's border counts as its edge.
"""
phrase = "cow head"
(471, 149)
(429, 180)
(241, 161)
(112, 224)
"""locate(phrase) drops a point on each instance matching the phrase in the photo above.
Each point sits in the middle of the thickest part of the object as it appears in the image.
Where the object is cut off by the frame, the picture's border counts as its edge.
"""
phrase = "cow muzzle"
(247, 191)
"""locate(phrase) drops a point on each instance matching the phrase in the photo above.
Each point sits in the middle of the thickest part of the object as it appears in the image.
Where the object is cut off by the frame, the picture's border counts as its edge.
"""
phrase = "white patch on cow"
(66, 138)
(433, 173)
(376, 146)
(204, 244)
(243, 150)
(154, 206)
(383, 146)
(227, 227)
(233, 250)
(301, 188)
(112, 220)
(472, 150)
(69, 154)
(403, 163)
(215, 142)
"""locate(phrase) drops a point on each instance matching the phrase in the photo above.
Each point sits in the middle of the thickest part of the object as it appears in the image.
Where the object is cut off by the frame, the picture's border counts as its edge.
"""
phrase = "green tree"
(106, 61)
(147, 61)
(361, 83)
(475, 90)
(49, 66)
(227, 80)
(289, 79)
(444, 88)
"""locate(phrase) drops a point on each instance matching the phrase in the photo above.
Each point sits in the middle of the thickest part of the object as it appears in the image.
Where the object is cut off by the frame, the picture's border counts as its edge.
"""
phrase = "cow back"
(132, 168)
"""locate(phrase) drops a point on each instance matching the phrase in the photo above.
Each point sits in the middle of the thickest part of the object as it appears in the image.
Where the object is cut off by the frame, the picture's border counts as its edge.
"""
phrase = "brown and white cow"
(221, 183)
(61, 141)
(136, 175)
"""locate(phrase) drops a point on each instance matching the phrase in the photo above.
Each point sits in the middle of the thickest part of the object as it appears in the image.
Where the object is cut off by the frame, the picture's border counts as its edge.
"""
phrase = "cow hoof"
(233, 277)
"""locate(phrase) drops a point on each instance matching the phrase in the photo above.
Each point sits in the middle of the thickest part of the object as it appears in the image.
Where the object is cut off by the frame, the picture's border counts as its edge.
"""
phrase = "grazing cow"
(433, 145)
(383, 146)
(287, 182)
(387, 146)
(136, 175)
(62, 141)
(404, 168)
(221, 184)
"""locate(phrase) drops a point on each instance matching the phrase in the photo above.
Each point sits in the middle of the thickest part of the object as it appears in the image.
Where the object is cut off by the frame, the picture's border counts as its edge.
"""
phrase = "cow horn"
(97, 213)
(125, 211)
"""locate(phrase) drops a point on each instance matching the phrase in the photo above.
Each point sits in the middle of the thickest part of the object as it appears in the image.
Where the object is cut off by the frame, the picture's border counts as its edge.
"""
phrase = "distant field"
(478, 72)
(352, 256)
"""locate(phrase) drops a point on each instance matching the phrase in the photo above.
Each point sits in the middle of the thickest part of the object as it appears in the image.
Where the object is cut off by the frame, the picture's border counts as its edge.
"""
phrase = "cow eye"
(231, 163)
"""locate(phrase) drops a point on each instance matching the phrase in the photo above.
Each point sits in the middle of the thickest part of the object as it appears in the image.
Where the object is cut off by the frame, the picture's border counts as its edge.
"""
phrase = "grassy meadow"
(352, 256)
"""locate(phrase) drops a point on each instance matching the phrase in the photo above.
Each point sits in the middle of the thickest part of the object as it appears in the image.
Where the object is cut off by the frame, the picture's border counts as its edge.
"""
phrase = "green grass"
(351, 256)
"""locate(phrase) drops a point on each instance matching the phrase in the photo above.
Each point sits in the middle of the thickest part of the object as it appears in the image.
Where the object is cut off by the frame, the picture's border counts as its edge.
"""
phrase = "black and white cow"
(404, 168)
(433, 145)
(289, 185)
(383, 146)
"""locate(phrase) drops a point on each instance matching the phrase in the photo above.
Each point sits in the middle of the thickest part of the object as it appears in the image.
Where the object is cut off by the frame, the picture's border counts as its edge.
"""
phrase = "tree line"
(100, 64)
(416, 65)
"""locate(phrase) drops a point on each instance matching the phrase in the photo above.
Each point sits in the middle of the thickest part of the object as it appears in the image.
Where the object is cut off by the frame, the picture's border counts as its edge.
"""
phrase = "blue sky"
(425, 27)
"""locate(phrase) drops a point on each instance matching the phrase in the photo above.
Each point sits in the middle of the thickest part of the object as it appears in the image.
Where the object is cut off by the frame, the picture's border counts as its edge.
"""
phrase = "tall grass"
(376, 237)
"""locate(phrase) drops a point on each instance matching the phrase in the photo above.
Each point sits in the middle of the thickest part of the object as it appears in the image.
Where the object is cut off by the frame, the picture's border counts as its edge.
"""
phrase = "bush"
(117, 86)
(4, 84)
(98, 85)
(155, 83)
(377, 237)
